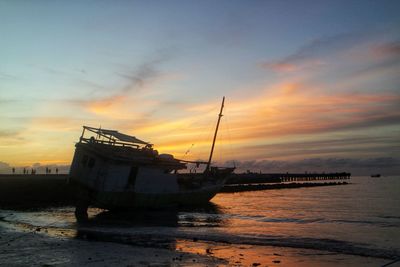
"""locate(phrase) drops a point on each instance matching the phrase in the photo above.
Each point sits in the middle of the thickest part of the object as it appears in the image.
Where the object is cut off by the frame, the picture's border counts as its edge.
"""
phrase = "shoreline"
(33, 248)
(24, 243)
(38, 249)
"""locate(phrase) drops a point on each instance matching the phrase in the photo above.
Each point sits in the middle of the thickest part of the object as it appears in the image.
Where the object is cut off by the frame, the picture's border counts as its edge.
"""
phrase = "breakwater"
(253, 178)
(233, 188)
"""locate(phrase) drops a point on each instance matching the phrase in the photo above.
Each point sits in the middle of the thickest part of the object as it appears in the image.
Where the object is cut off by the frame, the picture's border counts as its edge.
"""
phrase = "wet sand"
(250, 255)
(36, 247)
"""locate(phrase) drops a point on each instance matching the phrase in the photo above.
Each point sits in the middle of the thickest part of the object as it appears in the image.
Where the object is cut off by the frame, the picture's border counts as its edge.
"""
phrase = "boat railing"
(111, 142)
(112, 138)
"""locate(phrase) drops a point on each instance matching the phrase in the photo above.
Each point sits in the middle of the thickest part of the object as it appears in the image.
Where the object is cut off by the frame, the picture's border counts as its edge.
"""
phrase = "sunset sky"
(305, 81)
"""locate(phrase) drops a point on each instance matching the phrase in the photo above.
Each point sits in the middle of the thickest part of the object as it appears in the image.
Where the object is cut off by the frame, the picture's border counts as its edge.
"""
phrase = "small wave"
(154, 237)
(389, 217)
(292, 220)
(259, 218)
(378, 223)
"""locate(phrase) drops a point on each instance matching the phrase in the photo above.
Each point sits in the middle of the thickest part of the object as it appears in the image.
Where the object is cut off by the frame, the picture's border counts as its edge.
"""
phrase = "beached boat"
(113, 170)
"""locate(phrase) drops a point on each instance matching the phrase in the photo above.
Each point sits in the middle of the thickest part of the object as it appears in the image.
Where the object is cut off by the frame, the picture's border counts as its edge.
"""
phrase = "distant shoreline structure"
(252, 177)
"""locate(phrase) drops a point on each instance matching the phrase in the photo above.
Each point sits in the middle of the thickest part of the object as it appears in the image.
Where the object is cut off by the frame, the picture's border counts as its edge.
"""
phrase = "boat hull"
(138, 181)
(132, 200)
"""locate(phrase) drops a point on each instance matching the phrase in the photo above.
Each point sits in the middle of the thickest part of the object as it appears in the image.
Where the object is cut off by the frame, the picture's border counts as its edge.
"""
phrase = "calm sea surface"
(362, 218)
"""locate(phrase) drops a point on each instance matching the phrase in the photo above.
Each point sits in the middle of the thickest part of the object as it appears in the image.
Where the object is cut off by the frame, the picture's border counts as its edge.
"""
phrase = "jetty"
(253, 177)
(250, 181)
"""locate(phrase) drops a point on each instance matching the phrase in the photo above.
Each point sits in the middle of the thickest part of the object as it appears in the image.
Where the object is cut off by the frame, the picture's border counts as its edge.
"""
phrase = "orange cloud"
(281, 112)
(103, 106)
(281, 66)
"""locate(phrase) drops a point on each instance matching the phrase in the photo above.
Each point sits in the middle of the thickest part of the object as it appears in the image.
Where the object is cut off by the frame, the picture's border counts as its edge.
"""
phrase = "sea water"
(361, 218)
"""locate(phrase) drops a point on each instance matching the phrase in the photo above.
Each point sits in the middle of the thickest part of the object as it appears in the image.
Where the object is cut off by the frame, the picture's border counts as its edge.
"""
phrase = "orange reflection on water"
(251, 255)
(243, 255)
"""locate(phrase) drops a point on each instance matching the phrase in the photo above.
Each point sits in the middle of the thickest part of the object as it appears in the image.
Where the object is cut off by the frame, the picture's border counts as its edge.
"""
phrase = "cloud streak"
(8, 133)
(303, 110)
(324, 52)
(132, 95)
(356, 145)
(363, 166)
(357, 167)
(6, 76)
(313, 53)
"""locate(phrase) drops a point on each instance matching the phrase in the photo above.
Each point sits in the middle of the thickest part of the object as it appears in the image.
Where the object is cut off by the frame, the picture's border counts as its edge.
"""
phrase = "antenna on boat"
(215, 135)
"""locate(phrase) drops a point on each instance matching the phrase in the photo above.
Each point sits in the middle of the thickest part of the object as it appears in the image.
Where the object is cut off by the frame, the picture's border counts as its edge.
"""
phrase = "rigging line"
(229, 138)
(220, 152)
(208, 132)
(390, 263)
(186, 125)
(221, 147)
(209, 122)
(187, 151)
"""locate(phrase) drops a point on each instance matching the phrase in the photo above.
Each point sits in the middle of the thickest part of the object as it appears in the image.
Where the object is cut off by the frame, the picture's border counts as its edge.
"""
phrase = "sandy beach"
(37, 249)
(44, 247)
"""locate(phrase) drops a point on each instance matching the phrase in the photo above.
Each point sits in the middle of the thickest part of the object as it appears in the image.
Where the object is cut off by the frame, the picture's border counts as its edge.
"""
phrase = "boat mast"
(215, 134)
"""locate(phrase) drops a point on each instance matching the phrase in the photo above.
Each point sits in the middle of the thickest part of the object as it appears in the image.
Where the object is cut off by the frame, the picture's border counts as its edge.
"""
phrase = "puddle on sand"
(250, 255)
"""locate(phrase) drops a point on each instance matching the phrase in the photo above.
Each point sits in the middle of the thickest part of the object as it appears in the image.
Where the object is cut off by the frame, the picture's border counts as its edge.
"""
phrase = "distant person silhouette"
(56, 170)
(13, 170)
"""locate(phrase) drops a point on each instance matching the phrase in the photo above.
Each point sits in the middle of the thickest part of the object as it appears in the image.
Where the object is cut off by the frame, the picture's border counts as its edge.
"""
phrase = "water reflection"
(134, 218)
(208, 215)
(148, 228)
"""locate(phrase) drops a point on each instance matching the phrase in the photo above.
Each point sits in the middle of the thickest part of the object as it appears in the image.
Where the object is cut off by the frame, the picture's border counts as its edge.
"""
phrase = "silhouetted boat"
(375, 175)
(113, 170)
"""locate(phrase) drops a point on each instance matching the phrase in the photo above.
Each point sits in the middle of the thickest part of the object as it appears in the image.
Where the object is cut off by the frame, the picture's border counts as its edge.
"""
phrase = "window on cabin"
(132, 175)
(85, 159)
(91, 163)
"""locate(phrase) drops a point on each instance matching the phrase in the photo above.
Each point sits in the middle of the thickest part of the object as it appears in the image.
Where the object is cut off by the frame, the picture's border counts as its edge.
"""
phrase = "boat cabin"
(107, 160)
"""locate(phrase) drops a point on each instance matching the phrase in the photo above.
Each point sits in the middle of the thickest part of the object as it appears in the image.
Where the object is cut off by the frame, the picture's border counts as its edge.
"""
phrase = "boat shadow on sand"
(206, 215)
(148, 228)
